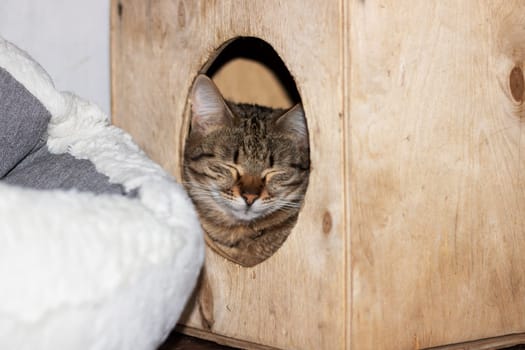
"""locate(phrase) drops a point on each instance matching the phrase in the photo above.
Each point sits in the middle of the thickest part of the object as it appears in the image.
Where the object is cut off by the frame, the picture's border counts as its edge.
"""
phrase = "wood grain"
(412, 234)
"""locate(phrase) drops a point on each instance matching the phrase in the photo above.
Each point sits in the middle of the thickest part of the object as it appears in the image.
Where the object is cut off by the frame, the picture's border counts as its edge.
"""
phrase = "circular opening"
(246, 155)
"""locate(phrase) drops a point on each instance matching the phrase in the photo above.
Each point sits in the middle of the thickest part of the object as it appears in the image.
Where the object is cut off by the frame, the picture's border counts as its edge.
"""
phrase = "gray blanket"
(24, 157)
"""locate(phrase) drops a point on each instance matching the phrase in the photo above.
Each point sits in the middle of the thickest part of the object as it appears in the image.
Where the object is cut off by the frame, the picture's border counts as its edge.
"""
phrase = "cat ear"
(209, 110)
(293, 123)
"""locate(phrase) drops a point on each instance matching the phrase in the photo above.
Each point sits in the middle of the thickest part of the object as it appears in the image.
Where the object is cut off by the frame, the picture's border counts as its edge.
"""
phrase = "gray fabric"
(44, 170)
(24, 157)
(23, 121)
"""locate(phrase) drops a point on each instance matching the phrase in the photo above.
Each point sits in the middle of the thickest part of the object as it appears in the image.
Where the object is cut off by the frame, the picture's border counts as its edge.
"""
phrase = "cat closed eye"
(269, 174)
(221, 169)
(202, 156)
(234, 172)
(301, 167)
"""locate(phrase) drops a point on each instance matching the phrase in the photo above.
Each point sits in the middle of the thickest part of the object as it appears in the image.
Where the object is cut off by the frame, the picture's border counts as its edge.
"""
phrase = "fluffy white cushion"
(79, 271)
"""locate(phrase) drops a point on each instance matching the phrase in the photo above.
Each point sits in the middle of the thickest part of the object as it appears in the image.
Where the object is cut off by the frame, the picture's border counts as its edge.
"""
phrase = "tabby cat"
(246, 169)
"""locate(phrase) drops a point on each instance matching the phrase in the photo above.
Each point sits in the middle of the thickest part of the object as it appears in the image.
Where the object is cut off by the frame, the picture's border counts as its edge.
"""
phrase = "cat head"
(244, 162)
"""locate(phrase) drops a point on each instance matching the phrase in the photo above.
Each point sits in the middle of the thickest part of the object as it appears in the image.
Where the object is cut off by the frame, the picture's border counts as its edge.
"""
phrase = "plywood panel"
(437, 171)
(294, 299)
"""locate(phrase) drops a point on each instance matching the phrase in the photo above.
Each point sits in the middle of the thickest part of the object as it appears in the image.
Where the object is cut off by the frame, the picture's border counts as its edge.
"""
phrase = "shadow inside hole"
(249, 49)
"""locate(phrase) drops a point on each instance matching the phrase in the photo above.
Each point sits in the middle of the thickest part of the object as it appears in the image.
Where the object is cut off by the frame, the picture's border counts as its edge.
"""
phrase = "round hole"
(246, 154)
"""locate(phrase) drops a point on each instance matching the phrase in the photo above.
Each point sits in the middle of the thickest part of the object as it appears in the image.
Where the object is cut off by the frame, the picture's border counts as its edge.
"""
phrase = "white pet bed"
(80, 270)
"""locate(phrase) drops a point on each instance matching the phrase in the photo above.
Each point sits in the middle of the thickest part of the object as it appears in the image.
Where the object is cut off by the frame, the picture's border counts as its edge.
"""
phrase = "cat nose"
(249, 198)
(250, 188)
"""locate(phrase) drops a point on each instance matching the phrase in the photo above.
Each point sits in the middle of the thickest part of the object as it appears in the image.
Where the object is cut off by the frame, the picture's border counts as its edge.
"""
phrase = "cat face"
(244, 162)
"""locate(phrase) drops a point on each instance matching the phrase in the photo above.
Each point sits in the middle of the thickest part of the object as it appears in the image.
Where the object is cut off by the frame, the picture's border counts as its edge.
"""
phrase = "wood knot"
(119, 9)
(517, 84)
(327, 222)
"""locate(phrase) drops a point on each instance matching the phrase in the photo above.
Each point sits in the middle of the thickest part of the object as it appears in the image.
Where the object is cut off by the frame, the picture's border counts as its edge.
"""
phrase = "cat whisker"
(287, 202)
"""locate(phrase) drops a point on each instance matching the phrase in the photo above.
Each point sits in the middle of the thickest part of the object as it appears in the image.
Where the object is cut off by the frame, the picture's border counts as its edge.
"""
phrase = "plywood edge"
(221, 339)
(486, 344)
(113, 14)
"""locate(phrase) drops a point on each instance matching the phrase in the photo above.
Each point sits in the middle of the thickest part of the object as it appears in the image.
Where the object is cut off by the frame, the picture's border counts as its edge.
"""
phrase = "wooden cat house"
(412, 233)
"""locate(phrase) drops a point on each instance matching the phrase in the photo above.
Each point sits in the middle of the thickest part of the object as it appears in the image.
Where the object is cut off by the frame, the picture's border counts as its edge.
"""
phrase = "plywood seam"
(345, 109)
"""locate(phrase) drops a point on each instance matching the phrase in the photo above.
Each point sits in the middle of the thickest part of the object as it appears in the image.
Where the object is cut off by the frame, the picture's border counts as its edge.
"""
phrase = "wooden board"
(412, 235)
(294, 299)
(437, 172)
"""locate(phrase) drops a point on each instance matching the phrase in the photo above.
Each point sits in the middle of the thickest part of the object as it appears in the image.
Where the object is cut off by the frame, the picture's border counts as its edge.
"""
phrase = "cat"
(246, 169)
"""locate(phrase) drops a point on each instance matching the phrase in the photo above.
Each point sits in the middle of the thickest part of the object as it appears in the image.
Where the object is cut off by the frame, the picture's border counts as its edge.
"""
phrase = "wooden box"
(412, 233)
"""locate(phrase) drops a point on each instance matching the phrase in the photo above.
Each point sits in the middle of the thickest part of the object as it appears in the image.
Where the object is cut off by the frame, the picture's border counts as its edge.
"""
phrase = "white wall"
(69, 38)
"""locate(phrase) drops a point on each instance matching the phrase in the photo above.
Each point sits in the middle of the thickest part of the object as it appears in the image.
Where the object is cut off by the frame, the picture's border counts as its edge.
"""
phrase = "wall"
(70, 39)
